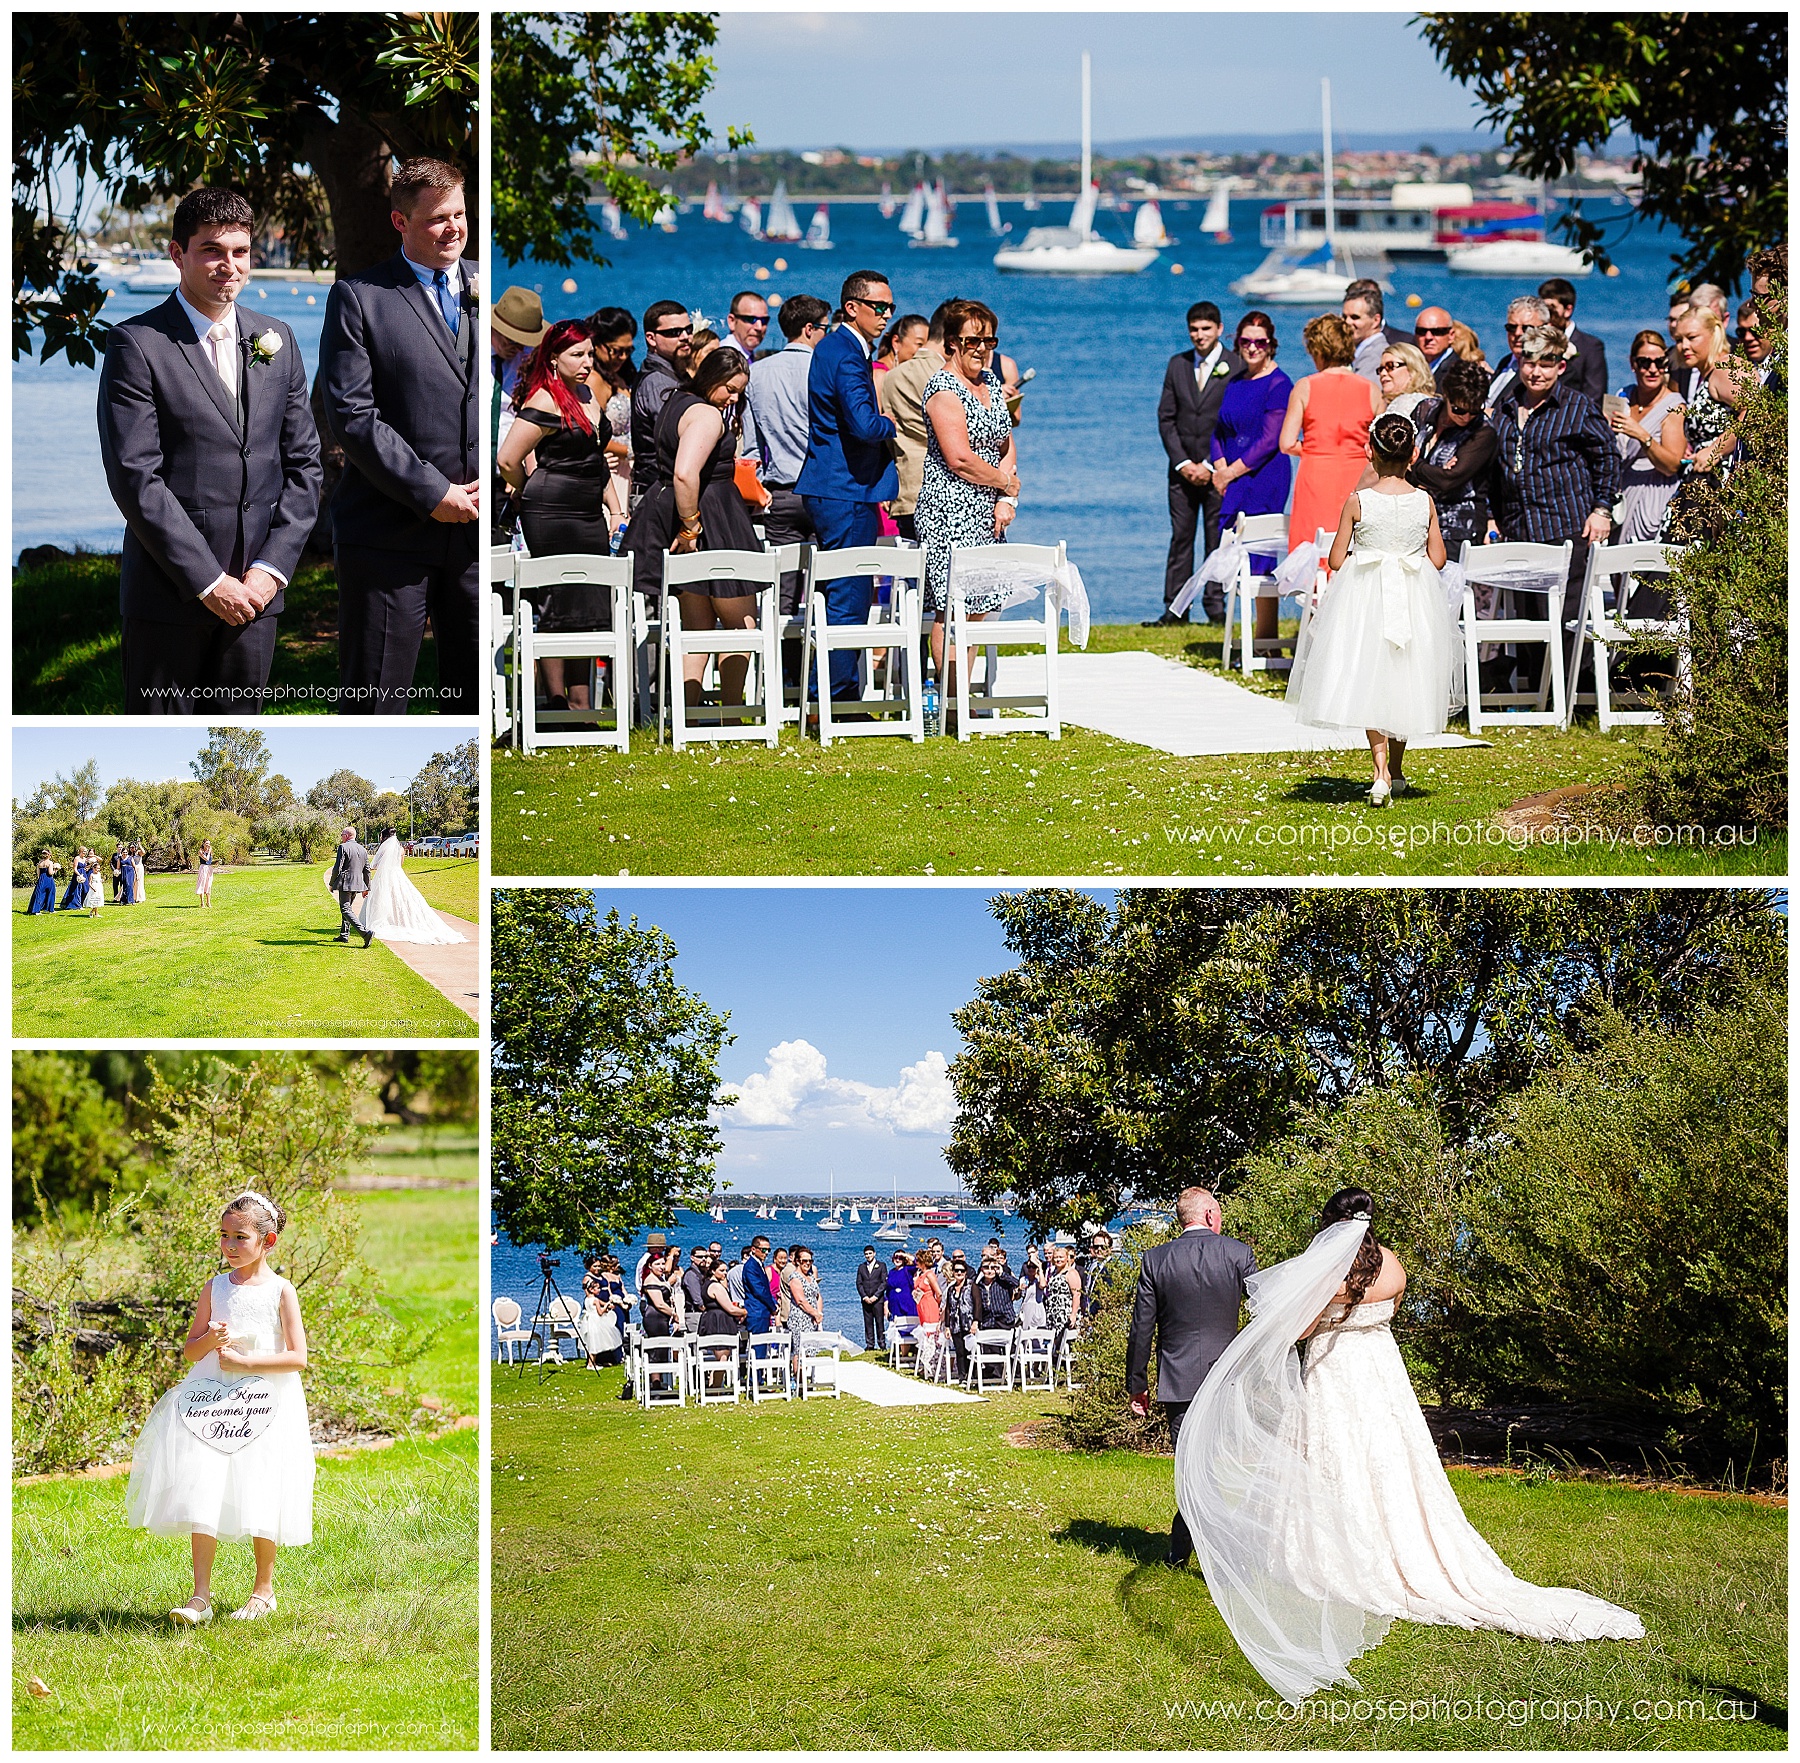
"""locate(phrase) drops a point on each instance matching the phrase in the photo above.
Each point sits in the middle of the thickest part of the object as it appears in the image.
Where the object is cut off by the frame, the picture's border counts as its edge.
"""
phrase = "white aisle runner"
(1156, 702)
(888, 1389)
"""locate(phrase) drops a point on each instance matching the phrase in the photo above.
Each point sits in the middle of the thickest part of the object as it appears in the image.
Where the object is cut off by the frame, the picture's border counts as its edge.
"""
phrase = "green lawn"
(450, 884)
(1087, 805)
(374, 1646)
(66, 642)
(838, 1575)
(261, 962)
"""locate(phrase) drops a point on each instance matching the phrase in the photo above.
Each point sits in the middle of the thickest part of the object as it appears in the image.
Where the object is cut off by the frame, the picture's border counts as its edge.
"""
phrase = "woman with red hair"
(554, 455)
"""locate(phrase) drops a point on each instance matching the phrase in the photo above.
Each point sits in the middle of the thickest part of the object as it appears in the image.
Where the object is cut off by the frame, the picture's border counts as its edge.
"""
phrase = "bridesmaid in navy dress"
(43, 893)
(1247, 462)
(77, 888)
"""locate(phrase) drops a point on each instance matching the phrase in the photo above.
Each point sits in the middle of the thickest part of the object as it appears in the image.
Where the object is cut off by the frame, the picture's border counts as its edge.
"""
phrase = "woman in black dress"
(697, 507)
(554, 455)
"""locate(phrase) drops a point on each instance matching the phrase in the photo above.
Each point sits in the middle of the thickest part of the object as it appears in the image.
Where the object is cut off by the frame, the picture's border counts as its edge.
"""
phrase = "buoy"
(1175, 269)
(312, 299)
(293, 290)
(568, 284)
(762, 275)
(1612, 269)
(774, 302)
(1414, 300)
(781, 263)
(262, 293)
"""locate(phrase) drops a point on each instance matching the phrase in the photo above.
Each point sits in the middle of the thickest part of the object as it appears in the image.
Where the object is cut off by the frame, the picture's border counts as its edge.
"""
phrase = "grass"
(66, 642)
(260, 963)
(450, 884)
(861, 1578)
(375, 1643)
(1087, 805)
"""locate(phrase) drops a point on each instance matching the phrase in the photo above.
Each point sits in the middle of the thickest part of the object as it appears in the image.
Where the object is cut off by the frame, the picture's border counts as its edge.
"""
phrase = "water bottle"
(933, 716)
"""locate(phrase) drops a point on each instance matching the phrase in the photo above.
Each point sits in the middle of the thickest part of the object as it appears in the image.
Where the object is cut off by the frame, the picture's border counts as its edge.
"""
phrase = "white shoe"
(1379, 792)
(188, 1617)
(255, 1609)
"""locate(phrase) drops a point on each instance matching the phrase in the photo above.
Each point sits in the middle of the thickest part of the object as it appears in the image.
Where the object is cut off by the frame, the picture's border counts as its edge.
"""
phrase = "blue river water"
(836, 1254)
(59, 487)
(1091, 464)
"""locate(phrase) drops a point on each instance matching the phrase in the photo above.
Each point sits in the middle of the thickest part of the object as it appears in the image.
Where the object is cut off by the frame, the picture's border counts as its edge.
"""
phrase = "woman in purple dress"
(1247, 461)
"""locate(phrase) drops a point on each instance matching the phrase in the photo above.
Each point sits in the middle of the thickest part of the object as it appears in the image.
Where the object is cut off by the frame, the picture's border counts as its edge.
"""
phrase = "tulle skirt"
(1347, 674)
(180, 1485)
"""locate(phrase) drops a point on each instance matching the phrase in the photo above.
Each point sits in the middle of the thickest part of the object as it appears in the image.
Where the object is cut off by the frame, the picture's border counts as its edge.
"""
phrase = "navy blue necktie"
(446, 300)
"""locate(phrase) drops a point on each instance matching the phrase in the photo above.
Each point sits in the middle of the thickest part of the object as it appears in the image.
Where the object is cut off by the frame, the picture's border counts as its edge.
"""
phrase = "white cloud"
(795, 1087)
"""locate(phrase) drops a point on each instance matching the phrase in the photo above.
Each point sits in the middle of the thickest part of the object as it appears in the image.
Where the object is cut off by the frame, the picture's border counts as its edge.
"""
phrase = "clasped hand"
(232, 1360)
(238, 602)
(461, 503)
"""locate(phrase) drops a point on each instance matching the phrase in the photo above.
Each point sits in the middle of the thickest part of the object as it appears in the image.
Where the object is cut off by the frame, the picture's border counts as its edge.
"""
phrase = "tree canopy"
(584, 104)
(305, 113)
(1132, 1052)
(1703, 93)
(605, 1074)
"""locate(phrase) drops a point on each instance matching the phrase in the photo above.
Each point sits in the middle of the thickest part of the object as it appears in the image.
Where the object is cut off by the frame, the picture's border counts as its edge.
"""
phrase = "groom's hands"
(461, 503)
(1140, 1405)
(237, 602)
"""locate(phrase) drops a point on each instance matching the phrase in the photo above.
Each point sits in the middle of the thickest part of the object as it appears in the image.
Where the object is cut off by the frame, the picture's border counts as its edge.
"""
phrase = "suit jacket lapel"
(251, 382)
(181, 333)
(429, 315)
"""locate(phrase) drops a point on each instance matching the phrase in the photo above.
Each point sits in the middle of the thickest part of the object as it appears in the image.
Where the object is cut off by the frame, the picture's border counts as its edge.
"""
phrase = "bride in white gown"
(1319, 1510)
(393, 909)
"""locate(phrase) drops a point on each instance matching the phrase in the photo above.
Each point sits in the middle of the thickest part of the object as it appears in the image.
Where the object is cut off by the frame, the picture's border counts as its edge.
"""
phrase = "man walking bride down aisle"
(377, 898)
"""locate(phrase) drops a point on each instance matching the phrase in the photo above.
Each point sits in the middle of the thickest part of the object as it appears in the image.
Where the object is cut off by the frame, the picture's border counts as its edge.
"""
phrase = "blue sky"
(893, 80)
(840, 999)
(304, 750)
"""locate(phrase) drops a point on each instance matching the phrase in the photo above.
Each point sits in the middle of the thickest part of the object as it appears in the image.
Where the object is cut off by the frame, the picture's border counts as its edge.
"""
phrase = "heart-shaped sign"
(227, 1416)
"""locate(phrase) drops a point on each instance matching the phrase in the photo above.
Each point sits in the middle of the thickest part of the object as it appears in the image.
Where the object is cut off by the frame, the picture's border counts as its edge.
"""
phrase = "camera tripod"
(548, 1290)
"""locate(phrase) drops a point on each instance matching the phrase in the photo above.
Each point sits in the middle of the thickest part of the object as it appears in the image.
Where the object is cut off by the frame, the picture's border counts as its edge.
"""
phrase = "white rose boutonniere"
(1221, 370)
(266, 347)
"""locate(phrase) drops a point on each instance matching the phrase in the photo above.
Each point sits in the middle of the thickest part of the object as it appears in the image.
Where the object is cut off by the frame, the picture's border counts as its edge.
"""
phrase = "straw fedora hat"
(519, 314)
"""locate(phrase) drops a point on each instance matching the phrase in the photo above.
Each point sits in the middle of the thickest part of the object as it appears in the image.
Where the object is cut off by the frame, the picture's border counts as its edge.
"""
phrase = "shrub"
(1099, 1416)
(69, 1136)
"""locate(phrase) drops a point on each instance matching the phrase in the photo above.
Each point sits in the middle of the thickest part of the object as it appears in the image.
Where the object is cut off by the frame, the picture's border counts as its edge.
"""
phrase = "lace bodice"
(1356, 1317)
(253, 1315)
(1397, 524)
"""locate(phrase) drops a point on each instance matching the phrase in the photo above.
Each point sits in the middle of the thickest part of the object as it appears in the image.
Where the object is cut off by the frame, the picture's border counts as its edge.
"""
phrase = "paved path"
(887, 1389)
(1156, 702)
(454, 968)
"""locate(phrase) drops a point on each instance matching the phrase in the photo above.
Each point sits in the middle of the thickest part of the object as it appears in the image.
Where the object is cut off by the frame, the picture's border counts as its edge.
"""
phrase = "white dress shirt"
(203, 331)
(1202, 373)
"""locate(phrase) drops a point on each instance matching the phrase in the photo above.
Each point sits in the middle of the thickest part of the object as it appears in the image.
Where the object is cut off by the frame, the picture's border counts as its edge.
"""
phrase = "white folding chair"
(990, 1354)
(1032, 1353)
(1040, 633)
(1245, 588)
(1065, 1364)
(903, 1344)
(820, 1355)
(1623, 567)
(714, 1362)
(616, 647)
(762, 643)
(1500, 566)
(889, 712)
(509, 1327)
(662, 1363)
(770, 1365)
(501, 573)
(791, 560)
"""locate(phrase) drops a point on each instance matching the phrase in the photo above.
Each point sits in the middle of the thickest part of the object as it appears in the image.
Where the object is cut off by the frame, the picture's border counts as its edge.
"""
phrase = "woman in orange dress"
(1327, 425)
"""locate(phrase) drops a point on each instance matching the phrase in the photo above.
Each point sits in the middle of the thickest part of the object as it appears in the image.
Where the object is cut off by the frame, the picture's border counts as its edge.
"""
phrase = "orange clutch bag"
(749, 485)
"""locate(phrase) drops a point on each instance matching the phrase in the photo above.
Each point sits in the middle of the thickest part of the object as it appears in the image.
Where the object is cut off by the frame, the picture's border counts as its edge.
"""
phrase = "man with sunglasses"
(668, 346)
(748, 322)
(1525, 313)
(1431, 332)
(849, 467)
(1586, 371)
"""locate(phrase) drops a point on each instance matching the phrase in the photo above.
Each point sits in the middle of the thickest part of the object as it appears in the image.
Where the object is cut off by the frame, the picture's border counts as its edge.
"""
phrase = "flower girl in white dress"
(227, 1453)
(1379, 651)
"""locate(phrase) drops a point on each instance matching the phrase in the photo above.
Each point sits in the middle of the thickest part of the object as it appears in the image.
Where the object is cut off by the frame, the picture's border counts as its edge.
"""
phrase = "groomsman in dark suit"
(1193, 389)
(1189, 1293)
(398, 367)
(211, 454)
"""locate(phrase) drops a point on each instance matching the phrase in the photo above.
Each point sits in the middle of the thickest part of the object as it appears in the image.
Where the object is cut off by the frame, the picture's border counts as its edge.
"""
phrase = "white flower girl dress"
(229, 1454)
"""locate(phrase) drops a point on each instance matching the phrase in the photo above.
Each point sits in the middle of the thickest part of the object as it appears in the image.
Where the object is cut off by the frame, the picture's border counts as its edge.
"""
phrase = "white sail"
(750, 218)
(937, 218)
(612, 223)
(782, 223)
(1218, 208)
(1148, 229)
(855, 1216)
(665, 215)
(912, 216)
(995, 225)
(818, 234)
(1081, 216)
(888, 204)
(715, 205)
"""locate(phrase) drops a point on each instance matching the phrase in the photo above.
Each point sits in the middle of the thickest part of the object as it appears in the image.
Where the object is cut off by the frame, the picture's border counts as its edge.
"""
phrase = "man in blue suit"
(849, 452)
(759, 1301)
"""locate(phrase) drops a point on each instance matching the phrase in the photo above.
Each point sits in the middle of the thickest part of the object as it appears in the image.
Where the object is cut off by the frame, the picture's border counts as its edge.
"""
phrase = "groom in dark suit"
(211, 454)
(1193, 389)
(397, 363)
(1189, 1292)
(350, 879)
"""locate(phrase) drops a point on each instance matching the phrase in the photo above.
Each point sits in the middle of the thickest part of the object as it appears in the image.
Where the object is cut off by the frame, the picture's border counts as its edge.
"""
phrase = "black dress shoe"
(368, 938)
(1150, 624)
(340, 938)
(1178, 1562)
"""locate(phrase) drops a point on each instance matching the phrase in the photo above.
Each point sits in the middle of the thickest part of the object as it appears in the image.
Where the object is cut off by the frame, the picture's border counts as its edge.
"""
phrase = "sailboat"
(894, 1231)
(855, 1216)
(1217, 219)
(664, 217)
(782, 223)
(717, 1213)
(936, 236)
(1312, 278)
(888, 204)
(612, 222)
(997, 228)
(1147, 228)
(1519, 257)
(912, 216)
(818, 234)
(833, 1221)
(1076, 249)
(714, 208)
(750, 218)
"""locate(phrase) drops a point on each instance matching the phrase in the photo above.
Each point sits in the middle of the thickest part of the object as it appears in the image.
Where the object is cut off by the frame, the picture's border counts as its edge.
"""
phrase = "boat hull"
(1073, 260)
(1516, 257)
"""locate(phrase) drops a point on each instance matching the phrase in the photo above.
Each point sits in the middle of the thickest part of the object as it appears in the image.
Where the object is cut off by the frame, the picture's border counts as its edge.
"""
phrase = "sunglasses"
(978, 342)
(1253, 343)
(752, 318)
(1657, 361)
(1458, 410)
(881, 308)
(679, 331)
(1390, 366)
(1431, 330)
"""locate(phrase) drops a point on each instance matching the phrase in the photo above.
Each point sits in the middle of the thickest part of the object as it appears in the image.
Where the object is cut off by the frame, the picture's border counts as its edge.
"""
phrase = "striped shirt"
(1554, 470)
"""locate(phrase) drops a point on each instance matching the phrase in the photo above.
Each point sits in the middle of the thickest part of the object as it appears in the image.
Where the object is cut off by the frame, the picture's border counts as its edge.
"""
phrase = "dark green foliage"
(1098, 1416)
(605, 1071)
(69, 1141)
(625, 87)
(1704, 93)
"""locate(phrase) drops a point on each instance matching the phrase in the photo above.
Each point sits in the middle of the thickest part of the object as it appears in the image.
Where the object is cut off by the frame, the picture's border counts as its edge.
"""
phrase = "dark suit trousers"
(347, 910)
(1193, 508)
(847, 601)
(872, 1329)
(213, 669)
(1181, 1542)
(384, 599)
